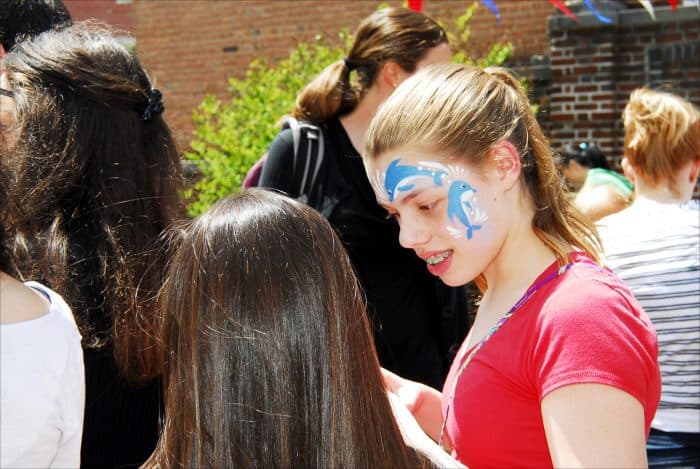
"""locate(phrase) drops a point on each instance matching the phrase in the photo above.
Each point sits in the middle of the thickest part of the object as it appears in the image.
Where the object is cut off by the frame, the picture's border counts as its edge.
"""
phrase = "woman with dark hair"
(96, 174)
(388, 46)
(270, 360)
(600, 191)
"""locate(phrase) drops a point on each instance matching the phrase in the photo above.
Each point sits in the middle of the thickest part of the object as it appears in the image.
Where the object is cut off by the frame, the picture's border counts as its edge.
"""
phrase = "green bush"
(230, 136)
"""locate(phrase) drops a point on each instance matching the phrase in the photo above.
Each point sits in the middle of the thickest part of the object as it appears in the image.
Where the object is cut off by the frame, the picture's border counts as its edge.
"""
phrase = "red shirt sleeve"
(599, 334)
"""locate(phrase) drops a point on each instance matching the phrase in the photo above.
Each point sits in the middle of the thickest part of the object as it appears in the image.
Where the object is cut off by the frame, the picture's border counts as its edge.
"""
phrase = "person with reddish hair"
(654, 246)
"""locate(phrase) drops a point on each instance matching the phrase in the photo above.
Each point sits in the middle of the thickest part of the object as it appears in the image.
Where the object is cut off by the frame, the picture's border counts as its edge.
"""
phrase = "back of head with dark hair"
(270, 357)
(25, 18)
(97, 184)
(587, 154)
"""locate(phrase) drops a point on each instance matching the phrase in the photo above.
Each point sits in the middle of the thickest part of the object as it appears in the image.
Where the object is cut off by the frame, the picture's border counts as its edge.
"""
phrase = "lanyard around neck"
(530, 291)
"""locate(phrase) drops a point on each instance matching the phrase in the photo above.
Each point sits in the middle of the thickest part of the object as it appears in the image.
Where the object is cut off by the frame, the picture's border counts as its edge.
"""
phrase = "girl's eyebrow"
(402, 200)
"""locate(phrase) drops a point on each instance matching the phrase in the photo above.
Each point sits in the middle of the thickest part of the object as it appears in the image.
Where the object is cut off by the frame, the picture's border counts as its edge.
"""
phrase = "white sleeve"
(72, 395)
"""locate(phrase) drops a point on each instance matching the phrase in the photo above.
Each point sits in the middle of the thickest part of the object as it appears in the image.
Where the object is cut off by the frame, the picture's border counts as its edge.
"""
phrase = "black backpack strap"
(312, 137)
(308, 165)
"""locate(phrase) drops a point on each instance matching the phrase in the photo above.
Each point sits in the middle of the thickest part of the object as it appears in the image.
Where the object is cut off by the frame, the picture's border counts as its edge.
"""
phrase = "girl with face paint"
(559, 368)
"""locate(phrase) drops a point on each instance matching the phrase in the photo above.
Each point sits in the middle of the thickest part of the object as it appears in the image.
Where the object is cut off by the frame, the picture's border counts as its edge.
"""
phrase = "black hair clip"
(350, 64)
(154, 105)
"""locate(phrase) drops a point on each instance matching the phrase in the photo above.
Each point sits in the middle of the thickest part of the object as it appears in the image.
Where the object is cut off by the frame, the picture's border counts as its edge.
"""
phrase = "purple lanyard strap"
(530, 291)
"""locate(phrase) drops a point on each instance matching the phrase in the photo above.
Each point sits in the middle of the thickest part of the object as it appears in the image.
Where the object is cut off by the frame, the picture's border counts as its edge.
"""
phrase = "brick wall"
(192, 47)
(118, 15)
(582, 73)
(594, 68)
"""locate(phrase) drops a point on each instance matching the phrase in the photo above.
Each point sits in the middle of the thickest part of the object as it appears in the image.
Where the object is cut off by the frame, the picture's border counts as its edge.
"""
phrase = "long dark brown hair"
(270, 358)
(96, 183)
(398, 34)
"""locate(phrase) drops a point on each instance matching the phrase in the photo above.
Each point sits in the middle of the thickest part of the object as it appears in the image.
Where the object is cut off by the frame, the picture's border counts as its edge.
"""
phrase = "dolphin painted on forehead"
(399, 178)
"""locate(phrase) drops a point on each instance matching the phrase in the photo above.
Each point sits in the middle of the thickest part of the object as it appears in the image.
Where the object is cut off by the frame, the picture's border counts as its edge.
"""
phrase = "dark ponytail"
(327, 95)
(398, 34)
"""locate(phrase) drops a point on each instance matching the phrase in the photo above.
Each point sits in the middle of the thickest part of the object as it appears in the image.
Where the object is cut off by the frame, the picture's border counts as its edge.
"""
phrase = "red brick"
(604, 115)
(585, 70)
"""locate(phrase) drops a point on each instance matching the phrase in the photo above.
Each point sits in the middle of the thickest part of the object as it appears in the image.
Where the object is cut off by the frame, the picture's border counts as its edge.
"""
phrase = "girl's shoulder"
(589, 294)
(20, 303)
(41, 312)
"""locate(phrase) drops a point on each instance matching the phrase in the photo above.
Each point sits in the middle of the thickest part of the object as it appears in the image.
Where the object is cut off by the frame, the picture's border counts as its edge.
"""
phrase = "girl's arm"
(421, 400)
(594, 425)
(416, 438)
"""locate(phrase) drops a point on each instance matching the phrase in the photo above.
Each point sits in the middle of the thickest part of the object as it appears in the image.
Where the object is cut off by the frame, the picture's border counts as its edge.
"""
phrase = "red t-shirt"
(584, 326)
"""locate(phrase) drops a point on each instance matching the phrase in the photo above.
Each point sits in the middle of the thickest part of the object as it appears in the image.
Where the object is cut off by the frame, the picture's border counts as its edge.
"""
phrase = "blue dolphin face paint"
(401, 178)
(463, 216)
(460, 206)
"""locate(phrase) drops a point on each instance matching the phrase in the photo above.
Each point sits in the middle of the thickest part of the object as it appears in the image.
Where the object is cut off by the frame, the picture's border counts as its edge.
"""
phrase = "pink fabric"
(582, 327)
(252, 177)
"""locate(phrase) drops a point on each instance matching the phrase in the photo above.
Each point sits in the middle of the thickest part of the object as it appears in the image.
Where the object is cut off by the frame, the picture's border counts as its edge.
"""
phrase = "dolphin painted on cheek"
(460, 205)
(399, 178)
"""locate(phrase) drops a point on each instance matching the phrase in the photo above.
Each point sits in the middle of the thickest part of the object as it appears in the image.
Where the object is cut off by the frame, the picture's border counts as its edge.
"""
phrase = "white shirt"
(655, 249)
(42, 389)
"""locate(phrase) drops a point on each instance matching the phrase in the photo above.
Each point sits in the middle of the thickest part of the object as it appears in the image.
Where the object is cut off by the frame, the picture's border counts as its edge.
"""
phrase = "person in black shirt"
(388, 46)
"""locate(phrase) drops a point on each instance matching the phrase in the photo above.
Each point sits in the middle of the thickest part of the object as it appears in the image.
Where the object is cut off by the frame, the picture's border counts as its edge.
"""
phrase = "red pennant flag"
(415, 5)
(559, 4)
(674, 4)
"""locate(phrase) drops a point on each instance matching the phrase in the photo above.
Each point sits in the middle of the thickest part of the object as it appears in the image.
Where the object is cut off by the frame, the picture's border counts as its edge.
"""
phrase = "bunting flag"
(559, 4)
(648, 7)
(596, 13)
(674, 4)
(415, 5)
(491, 5)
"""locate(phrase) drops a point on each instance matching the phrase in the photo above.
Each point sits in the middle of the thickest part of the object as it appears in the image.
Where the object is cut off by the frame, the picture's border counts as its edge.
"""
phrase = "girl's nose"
(412, 234)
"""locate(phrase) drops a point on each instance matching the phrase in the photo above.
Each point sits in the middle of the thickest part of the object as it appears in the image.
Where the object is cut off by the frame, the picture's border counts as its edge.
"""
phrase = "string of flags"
(417, 5)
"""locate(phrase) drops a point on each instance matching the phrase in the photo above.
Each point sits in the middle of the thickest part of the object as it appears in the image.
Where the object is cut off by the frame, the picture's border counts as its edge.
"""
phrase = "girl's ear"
(391, 74)
(694, 171)
(505, 159)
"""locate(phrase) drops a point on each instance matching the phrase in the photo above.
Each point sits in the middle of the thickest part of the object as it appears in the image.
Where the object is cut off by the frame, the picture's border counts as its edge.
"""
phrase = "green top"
(601, 177)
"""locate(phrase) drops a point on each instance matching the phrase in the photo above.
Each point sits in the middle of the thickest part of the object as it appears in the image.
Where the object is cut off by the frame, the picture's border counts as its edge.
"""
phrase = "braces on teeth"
(437, 259)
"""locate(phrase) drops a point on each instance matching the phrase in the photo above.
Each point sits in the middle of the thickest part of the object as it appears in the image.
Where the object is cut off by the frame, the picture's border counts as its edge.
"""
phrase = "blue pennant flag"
(491, 5)
(601, 18)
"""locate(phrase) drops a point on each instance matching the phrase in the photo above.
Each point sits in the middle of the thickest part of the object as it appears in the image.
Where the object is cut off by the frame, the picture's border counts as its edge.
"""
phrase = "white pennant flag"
(648, 7)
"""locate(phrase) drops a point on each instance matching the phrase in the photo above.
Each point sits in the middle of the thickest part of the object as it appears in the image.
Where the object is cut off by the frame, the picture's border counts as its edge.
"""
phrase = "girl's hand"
(422, 401)
(409, 392)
